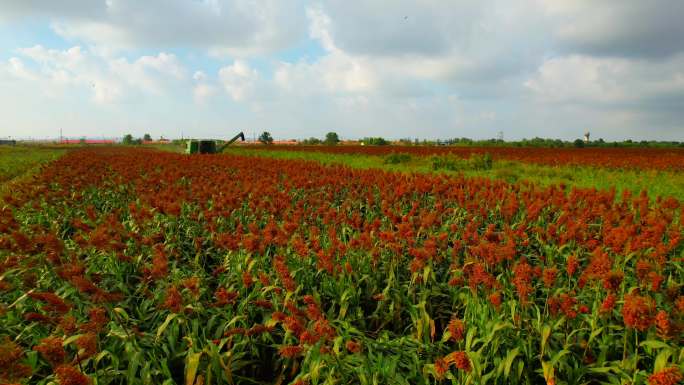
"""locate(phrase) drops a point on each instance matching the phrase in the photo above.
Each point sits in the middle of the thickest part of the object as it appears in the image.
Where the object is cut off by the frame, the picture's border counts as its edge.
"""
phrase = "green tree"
(310, 141)
(331, 139)
(375, 141)
(578, 143)
(127, 139)
(147, 137)
(266, 138)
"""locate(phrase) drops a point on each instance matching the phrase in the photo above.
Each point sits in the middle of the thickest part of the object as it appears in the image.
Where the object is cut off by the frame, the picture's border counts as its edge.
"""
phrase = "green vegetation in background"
(331, 139)
(540, 143)
(656, 183)
(477, 162)
(129, 140)
(266, 138)
(176, 146)
(549, 143)
(375, 141)
(311, 141)
(534, 142)
(397, 158)
(16, 161)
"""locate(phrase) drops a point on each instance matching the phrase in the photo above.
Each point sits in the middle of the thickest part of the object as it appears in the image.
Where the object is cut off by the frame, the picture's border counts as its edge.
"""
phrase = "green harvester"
(210, 146)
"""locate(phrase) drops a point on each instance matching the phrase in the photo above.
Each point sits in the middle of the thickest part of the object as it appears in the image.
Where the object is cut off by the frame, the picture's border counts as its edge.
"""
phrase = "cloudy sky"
(393, 68)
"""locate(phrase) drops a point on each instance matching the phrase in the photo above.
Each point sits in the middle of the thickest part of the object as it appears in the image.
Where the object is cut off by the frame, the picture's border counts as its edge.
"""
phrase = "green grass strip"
(656, 183)
(18, 161)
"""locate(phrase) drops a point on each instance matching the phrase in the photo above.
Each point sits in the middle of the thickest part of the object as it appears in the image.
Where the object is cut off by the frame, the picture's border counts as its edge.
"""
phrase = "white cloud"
(238, 79)
(203, 90)
(199, 76)
(15, 67)
(622, 28)
(107, 79)
(222, 27)
(588, 80)
(339, 72)
(19, 10)
(404, 68)
(163, 63)
(372, 48)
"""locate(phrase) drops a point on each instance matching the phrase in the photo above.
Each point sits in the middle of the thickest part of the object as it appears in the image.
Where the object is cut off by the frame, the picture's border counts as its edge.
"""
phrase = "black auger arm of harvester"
(240, 136)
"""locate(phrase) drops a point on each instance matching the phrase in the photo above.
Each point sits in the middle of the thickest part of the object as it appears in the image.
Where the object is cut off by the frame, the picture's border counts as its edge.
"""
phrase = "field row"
(626, 158)
(15, 161)
(654, 182)
(131, 265)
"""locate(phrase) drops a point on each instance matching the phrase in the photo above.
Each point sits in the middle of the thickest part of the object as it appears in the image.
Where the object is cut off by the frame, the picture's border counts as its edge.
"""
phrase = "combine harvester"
(210, 146)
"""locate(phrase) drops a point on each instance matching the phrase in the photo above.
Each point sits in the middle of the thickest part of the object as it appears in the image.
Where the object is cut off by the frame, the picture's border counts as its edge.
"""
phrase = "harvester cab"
(210, 146)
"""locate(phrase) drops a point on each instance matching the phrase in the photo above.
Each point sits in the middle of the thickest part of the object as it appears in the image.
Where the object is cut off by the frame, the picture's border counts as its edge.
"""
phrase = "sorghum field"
(639, 157)
(18, 160)
(122, 265)
(658, 171)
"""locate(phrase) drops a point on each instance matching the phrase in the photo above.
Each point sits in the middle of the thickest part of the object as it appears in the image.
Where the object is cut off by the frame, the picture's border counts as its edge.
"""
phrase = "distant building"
(586, 137)
(160, 141)
(289, 142)
(8, 142)
(87, 141)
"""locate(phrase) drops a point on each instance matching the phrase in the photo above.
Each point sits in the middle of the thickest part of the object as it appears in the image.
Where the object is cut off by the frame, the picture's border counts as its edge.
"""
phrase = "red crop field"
(627, 158)
(137, 266)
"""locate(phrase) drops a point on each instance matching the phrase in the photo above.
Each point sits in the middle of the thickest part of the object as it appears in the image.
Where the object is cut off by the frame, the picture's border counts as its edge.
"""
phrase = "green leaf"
(446, 336)
(661, 360)
(191, 365)
(23, 297)
(100, 356)
(558, 356)
(501, 326)
(117, 331)
(546, 332)
(547, 370)
(653, 344)
(32, 359)
(602, 369)
(132, 370)
(426, 273)
(164, 325)
(71, 339)
(510, 357)
(470, 335)
(594, 334)
(122, 312)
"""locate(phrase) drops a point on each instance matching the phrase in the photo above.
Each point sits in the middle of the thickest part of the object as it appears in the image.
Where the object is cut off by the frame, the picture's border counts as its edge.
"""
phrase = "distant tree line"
(128, 139)
(332, 139)
(541, 142)
(557, 143)
(375, 141)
